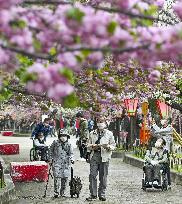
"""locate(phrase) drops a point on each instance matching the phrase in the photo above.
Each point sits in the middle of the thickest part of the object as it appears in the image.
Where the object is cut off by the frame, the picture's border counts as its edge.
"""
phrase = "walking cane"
(48, 180)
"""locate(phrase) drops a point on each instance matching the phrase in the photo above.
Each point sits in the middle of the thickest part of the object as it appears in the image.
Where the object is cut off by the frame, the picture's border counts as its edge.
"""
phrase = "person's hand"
(95, 146)
(106, 146)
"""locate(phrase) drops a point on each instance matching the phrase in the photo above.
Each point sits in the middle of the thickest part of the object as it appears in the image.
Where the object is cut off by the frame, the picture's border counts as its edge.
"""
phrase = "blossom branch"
(67, 49)
(110, 10)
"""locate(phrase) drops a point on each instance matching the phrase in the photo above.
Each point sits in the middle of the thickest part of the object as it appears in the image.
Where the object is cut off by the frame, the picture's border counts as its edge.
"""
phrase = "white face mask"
(158, 144)
(63, 139)
(101, 126)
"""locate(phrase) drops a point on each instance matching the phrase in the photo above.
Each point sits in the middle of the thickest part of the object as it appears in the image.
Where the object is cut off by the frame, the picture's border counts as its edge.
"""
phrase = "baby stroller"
(163, 182)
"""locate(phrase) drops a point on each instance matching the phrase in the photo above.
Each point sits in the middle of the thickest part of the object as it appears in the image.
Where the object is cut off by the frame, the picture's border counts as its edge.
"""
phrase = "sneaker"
(169, 187)
(102, 198)
(82, 159)
(91, 198)
(155, 183)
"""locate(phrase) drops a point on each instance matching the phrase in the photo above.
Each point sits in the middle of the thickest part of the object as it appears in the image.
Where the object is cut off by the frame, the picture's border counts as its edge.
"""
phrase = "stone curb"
(137, 162)
(8, 193)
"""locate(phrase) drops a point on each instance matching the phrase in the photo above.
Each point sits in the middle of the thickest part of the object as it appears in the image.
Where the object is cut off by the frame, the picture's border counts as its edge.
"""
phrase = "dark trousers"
(82, 148)
(44, 153)
(101, 168)
(152, 172)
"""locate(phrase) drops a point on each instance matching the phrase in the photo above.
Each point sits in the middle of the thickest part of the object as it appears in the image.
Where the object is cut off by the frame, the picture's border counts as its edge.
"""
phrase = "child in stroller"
(156, 167)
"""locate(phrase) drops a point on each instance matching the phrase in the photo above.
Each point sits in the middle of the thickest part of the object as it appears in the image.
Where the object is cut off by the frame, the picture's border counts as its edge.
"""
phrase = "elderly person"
(156, 159)
(61, 157)
(166, 133)
(100, 145)
(40, 145)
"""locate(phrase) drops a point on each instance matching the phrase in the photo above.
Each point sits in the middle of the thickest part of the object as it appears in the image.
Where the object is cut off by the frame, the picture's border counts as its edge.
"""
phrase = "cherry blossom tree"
(63, 38)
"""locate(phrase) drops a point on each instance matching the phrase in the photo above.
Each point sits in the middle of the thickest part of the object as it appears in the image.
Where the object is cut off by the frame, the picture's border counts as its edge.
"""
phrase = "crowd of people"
(96, 139)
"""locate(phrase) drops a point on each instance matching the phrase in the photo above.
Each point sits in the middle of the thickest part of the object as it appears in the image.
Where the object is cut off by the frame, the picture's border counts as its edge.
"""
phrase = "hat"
(64, 132)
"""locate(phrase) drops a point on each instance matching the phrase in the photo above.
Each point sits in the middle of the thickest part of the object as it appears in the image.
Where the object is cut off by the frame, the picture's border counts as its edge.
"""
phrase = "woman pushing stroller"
(156, 160)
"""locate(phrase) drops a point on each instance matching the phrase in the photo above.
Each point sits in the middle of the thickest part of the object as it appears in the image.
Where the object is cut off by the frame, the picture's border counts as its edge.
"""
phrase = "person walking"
(61, 158)
(100, 145)
(83, 135)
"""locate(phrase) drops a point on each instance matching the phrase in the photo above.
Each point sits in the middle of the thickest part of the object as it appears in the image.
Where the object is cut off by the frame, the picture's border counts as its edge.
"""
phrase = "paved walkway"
(124, 183)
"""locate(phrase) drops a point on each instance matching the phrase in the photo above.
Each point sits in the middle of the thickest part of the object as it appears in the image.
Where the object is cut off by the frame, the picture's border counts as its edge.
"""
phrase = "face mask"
(101, 126)
(158, 144)
(63, 139)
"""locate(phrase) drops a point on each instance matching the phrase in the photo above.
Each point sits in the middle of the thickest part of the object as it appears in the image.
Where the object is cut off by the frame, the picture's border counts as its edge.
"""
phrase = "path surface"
(124, 183)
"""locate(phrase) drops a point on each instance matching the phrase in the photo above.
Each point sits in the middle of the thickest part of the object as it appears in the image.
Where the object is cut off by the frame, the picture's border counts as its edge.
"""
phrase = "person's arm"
(148, 156)
(156, 128)
(36, 130)
(164, 159)
(112, 145)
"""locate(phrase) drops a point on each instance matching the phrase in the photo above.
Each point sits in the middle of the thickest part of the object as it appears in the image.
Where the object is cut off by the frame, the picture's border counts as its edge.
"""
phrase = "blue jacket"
(41, 128)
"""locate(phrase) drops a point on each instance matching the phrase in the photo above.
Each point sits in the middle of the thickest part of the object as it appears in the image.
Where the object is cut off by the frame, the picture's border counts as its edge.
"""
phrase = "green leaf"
(71, 101)
(18, 24)
(37, 45)
(29, 77)
(67, 73)
(75, 14)
(85, 53)
(53, 51)
(111, 27)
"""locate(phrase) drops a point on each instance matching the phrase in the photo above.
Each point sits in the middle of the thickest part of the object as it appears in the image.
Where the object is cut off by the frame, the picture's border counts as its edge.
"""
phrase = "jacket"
(41, 128)
(107, 138)
(62, 155)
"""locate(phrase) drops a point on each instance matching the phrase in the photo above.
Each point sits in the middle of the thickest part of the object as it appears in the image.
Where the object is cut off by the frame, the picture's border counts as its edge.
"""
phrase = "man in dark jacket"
(42, 127)
(83, 135)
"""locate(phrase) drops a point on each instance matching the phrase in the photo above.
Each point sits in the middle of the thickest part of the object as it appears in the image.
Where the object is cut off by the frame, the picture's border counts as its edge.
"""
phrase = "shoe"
(91, 198)
(150, 183)
(82, 159)
(56, 196)
(169, 187)
(102, 198)
(155, 183)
